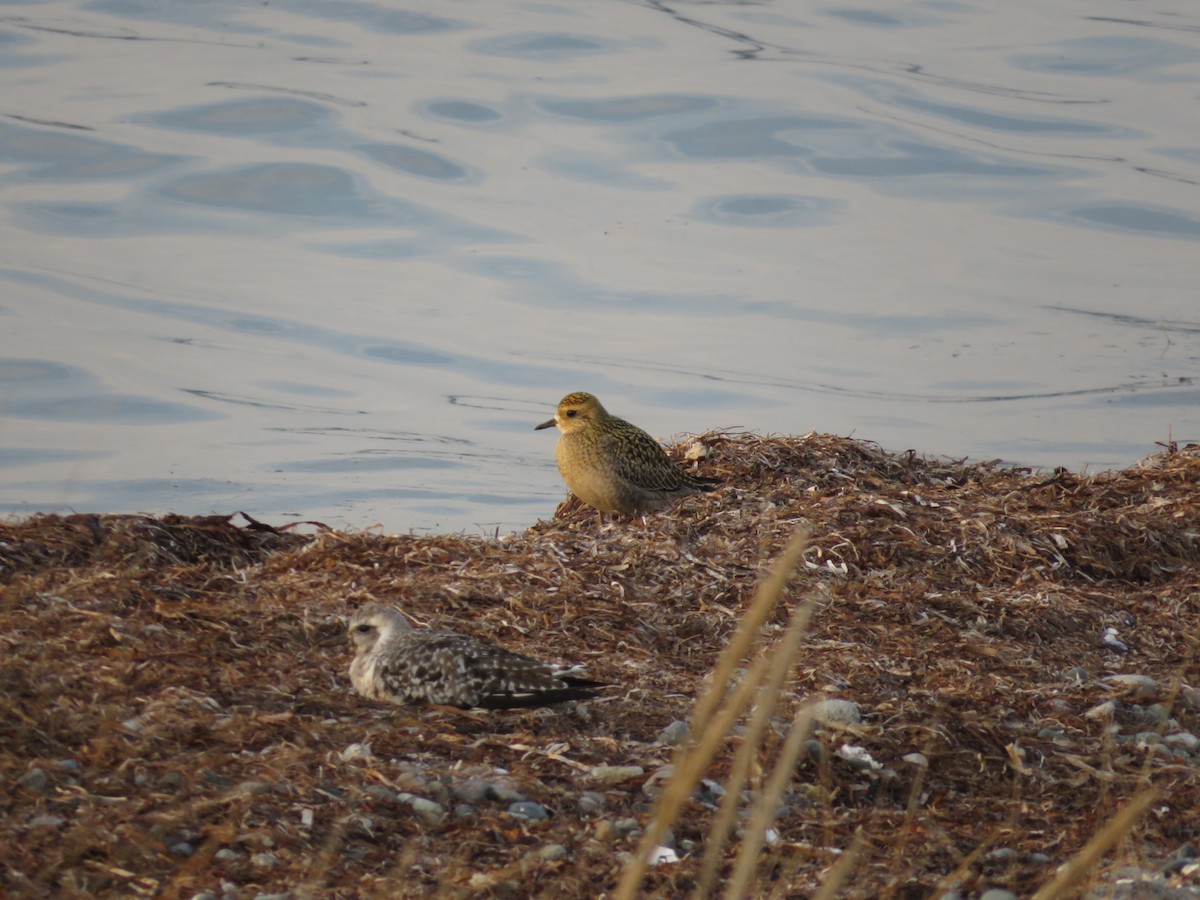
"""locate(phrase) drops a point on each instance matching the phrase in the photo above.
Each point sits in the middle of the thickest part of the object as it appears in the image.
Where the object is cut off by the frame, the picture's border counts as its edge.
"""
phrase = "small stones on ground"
(1184, 739)
(553, 852)
(1157, 712)
(836, 712)
(858, 758)
(354, 752)
(35, 780)
(182, 849)
(1075, 675)
(476, 790)
(915, 759)
(528, 810)
(426, 810)
(463, 811)
(592, 801)
(1142, 686)
(46, 821)
(615, 774)
(264, 860)
(1105, 710)
(997, 894)
(815, 750)
(225, 854)
(622, 827)
(675, 733)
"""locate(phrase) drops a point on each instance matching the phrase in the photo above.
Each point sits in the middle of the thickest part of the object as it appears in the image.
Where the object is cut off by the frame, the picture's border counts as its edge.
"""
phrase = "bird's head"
(575, 411)
(374, 622)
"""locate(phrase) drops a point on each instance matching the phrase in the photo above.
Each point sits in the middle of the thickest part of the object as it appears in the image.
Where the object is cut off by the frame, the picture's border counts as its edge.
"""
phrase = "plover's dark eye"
(571, 413)
(363, 628)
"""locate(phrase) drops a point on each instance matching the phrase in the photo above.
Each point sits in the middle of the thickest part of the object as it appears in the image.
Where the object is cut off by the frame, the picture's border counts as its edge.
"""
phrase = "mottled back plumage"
(612, 465)
(397, 664)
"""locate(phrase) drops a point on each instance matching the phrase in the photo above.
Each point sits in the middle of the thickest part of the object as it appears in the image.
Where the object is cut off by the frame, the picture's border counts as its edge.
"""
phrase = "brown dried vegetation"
(174, 708)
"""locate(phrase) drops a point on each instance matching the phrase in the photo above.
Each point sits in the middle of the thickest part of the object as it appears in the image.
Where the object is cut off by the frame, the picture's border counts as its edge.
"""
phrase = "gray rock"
(1002, 853)
(528, 810)
(46, 821)
(182, 849)
(553, 852)
(429, 812)
(1157, 712)
(225, 854)
(1075, 675)
(475, 790)
(206, 895)
(1039, 859)
(463, 811)
(997, 894)
(1185, 740)
(1145, 738)
(673, 734)
(264, 860)
(626, 826)
(836, 712)
(1143, 686)
(69, 764)
(35, 780)
(380, 792)
(287, 895)
(592, 801)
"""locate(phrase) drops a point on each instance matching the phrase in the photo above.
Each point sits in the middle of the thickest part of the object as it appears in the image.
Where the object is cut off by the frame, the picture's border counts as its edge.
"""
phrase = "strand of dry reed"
(837, 874)
(1074, 870)
(768, 804)
(693, 757)
(783, 656)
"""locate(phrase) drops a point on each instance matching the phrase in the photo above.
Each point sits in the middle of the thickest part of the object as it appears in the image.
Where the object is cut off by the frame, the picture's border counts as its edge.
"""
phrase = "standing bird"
(397, 664)
(614, 466)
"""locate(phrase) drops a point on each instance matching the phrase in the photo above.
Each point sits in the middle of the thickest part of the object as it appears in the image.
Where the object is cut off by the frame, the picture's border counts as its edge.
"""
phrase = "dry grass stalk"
(832, 883)
(694, 756)
(1072, 872)
(783, 656)
(742, 878)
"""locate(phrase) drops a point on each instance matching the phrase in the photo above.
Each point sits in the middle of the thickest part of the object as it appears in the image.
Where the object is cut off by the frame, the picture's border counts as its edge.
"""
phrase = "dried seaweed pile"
(177, 719)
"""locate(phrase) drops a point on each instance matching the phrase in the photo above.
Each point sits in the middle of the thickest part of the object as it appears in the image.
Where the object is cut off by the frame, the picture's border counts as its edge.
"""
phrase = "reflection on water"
(334, 259)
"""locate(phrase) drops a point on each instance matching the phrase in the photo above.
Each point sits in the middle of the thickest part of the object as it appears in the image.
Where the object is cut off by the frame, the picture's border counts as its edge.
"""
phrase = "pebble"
(183, 848)
(49, 821)
(918, 759)
(71, 764)
(1142, 685)
(284, 896)
(1001, 854)
(625, 826)
(475, 790)
(225, 854)
(997, 894)
(35, 780)
(675, 733)
(1184, 739)
(616, 774)
(1039, 859)
(528, 810)
(429, 812)
(836, 712)
(463, 811)
(355, 751)
(1075, 675)
(1157, 712)
(592, 801)
(814, 750)
(206, 895)
(1104, 710)
(264, 860)
(252, 788)
(553, 852)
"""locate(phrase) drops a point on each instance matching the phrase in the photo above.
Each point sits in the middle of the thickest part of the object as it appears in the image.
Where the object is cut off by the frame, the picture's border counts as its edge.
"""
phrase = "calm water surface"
(334, 259)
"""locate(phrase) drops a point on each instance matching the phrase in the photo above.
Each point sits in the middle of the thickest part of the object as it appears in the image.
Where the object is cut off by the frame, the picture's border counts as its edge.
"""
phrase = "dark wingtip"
(543, 698)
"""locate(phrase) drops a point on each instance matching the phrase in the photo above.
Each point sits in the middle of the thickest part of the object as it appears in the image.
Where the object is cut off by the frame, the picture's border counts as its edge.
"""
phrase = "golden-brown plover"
(614, 466)
(395, 663)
